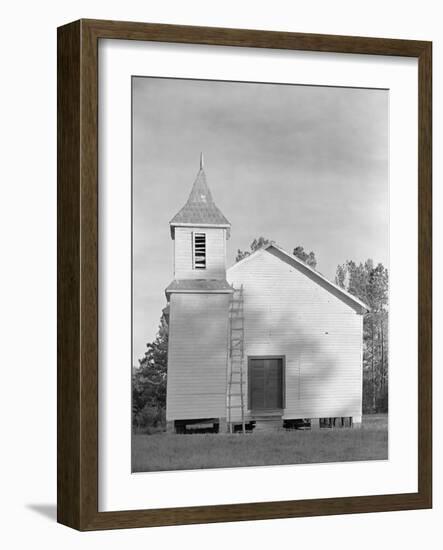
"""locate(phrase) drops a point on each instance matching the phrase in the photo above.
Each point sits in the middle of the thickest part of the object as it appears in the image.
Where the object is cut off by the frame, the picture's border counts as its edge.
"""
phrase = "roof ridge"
(308, 268)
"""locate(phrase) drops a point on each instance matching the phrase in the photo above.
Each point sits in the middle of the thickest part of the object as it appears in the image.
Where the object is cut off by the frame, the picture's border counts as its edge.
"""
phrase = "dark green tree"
(308, 258)
(371, 284)
(299, 252)
(255, 245)
(149, 382)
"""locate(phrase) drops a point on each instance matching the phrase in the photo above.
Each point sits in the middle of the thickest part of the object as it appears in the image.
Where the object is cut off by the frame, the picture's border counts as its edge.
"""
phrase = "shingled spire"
(200, 209)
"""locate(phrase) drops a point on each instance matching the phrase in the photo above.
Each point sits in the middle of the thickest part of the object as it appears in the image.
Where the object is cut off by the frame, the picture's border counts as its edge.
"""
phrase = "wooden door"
(265, 383)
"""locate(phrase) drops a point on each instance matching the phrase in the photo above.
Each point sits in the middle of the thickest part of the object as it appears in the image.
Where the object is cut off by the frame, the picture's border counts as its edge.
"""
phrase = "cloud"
(298, 164)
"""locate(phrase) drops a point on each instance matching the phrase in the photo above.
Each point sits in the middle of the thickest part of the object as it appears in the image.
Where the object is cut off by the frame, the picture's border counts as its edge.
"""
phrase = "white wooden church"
(267, 342)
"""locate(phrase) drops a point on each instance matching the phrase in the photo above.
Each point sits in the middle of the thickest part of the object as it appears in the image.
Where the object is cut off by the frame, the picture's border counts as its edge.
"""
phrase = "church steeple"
(200, 209)
(199, 231)
(199, 296)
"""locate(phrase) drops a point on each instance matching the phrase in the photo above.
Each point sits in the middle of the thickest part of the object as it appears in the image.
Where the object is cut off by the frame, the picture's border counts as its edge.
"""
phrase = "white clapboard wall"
(291, 312)
(198, 328)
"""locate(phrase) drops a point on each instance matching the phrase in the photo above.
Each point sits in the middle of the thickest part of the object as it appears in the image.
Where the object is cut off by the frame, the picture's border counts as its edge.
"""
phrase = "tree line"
(149, 384)
(370, 283)
(366, 281)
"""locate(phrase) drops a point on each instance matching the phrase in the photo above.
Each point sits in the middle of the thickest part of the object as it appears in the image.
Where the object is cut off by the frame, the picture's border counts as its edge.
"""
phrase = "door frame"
(283, 380)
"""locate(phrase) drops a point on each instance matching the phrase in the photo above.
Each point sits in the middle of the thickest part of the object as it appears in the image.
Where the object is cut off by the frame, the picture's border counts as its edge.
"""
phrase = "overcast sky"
(300, 165)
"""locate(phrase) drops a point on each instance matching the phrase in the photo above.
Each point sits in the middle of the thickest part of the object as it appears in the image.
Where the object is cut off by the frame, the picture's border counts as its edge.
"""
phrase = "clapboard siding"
(215, 253)
(196, 386)
(289, 314)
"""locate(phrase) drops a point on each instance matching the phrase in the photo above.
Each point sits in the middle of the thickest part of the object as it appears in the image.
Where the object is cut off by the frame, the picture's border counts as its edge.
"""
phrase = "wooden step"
(268, 415)
(268, 425)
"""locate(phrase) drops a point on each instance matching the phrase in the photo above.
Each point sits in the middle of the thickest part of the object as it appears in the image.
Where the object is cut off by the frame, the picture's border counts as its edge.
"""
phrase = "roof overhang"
(199, 286)
(197, 225)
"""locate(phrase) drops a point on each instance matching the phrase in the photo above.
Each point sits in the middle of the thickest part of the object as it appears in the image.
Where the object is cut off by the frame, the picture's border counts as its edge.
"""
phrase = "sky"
(299, 165)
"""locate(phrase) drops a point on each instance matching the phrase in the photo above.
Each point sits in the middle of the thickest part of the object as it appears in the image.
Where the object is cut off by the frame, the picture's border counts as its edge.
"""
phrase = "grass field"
(189, 452)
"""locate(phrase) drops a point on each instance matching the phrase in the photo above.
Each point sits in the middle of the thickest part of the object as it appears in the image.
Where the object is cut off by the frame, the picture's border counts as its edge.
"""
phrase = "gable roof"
(200, 209)
(309, 271)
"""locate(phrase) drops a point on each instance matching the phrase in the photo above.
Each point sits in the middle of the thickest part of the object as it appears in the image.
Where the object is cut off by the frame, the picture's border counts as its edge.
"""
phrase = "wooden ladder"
(236, 378)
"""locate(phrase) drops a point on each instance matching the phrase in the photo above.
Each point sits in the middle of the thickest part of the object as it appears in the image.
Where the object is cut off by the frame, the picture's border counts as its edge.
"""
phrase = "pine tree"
(308, 258)
(255, 245)
(371, 285)
(149, 381)
(299, 252)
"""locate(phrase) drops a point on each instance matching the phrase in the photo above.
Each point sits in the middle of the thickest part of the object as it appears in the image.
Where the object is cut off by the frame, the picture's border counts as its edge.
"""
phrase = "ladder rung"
(237, 331)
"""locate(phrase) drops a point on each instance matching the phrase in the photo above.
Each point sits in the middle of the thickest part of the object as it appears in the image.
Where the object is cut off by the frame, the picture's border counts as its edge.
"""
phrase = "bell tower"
(198, 297)
(200, 231)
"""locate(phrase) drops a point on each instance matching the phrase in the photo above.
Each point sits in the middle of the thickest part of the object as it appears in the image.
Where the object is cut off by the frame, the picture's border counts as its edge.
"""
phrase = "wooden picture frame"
(77, 455)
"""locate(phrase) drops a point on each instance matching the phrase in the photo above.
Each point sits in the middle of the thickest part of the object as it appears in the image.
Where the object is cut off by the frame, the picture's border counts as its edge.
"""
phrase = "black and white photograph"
(260, 274)
(218, 263)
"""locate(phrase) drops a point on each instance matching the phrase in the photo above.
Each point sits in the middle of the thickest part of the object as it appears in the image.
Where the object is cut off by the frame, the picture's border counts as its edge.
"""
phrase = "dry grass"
(188, 452)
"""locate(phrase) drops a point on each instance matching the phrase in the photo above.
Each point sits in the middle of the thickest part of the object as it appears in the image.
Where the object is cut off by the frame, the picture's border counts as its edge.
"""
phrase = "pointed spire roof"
(200, 208)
